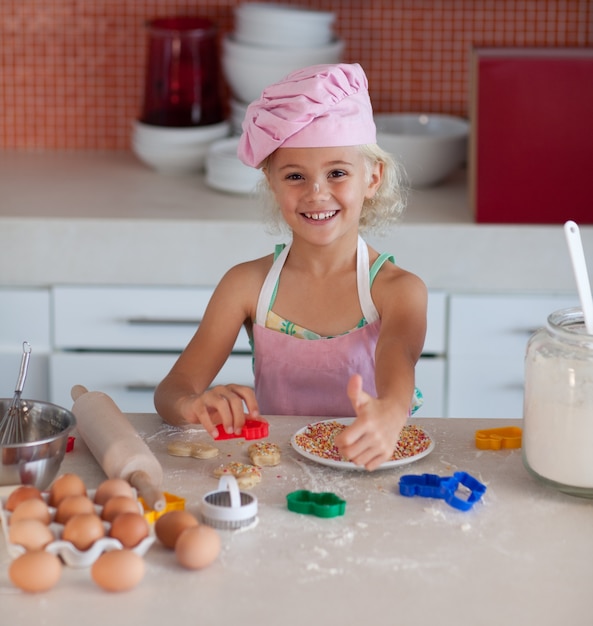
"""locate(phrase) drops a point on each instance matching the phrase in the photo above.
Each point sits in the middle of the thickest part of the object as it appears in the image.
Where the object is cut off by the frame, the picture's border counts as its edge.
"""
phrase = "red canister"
(182, 86)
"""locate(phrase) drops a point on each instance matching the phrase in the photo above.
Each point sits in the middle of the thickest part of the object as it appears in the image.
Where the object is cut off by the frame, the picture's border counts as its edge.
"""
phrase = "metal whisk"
(11, 426)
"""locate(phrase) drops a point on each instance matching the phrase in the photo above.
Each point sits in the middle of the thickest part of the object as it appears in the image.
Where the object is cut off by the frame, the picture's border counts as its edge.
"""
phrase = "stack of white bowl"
(269, 41)
(175, 150)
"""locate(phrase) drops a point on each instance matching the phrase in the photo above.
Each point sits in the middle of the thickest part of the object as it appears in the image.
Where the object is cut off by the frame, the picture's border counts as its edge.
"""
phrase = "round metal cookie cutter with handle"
(228, 508)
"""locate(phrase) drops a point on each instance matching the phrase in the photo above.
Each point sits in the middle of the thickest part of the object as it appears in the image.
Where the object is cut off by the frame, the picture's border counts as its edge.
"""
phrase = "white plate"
(347, 464)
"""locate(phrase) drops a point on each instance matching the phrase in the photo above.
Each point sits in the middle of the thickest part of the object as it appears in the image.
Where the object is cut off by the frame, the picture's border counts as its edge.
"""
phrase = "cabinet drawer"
(487, 343)
(487, 325)
(130, 379)
(486, 388)
(129, 318)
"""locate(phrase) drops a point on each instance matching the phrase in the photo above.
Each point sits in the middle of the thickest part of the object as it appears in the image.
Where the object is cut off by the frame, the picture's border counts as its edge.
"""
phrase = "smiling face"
(320, 191)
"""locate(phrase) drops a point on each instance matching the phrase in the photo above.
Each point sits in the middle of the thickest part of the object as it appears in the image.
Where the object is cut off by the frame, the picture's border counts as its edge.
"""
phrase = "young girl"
(336, 327)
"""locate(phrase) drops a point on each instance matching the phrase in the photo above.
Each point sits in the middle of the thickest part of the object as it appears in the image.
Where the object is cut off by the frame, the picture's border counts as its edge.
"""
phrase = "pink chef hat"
(315, 107)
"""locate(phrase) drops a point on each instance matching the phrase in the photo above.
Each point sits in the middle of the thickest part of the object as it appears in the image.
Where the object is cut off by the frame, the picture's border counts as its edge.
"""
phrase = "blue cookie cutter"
(443, 487)
(325, 504)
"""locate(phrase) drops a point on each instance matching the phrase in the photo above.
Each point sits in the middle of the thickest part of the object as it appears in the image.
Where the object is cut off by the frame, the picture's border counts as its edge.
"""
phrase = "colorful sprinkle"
(318, 439)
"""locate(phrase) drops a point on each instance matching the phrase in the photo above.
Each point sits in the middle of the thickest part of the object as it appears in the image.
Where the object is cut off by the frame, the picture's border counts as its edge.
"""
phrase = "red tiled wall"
(71, 71)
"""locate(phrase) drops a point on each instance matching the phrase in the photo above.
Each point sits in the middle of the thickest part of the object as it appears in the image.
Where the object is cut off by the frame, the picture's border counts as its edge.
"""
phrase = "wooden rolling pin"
(116, 445)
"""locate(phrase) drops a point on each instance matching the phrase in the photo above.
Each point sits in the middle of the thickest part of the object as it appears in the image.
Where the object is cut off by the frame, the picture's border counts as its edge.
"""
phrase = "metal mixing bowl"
(37, 460)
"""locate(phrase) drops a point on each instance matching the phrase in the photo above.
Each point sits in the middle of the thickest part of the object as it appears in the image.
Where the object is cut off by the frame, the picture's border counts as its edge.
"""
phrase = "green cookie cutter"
(325, 504)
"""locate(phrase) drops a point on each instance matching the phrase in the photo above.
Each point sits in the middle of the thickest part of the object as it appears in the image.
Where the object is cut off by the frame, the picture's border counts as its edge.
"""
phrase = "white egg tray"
(69, 554)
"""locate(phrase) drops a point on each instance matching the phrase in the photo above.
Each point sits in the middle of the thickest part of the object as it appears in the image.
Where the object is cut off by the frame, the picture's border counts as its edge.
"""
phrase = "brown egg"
(66, 485)
(119, 504)
(24, 492)
(118, 570)
(83, 530)
(73, 505)
(31, 509)
(169, 526)
(113, 487)
(129, 528)
(197, 547)
(31, 534)
(35, 571)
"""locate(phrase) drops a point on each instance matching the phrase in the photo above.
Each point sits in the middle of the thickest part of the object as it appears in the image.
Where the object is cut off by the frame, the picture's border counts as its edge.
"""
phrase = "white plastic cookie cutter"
(228, 508)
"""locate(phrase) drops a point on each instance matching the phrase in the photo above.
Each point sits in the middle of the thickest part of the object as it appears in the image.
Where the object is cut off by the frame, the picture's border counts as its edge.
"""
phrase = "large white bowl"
(430, 147)
(176, 136)
(226, 172)
(167, 161)
(173, 150)
(250, 69)
(282, 26)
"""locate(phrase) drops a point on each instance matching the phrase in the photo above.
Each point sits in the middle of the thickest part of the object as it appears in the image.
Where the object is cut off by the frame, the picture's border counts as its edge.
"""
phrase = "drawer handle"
(161, 321)
(516, 386)
(526, 331)
(140, 387)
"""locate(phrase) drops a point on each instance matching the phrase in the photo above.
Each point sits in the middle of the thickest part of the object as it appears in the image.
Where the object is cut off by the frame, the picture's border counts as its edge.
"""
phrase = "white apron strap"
(267, 290)
(362, 278)
(363, 281)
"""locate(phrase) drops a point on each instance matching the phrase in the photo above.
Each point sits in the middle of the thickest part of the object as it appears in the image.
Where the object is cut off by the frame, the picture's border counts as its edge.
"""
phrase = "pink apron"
(296, 376)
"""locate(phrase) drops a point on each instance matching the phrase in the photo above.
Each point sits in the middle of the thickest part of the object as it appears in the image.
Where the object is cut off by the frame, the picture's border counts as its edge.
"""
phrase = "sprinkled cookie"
(196, 450)
(264, 454)
(247, 475)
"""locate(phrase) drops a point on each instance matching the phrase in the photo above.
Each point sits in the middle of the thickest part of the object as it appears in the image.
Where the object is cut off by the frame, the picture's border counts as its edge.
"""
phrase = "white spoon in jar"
(579, 266)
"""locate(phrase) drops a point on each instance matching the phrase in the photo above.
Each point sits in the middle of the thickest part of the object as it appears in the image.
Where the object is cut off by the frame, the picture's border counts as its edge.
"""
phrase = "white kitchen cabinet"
(488, 336)
(25, 317)
(435, 342)
(430, 379)
(129, 317)
(123, 340)
(431, 367)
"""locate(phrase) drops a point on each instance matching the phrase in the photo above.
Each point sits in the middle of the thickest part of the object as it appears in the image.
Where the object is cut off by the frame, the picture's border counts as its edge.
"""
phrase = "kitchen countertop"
(104, 218)
(521, 556)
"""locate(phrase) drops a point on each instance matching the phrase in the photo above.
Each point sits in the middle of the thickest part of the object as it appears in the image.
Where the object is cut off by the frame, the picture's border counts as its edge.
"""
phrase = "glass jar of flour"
(558, 404)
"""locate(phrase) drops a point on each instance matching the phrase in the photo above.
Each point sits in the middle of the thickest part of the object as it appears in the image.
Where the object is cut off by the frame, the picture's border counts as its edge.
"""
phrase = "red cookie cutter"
(252, 429)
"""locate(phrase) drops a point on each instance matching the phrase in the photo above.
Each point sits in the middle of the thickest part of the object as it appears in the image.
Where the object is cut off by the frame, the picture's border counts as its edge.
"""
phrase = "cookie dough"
(197, 450)
(264, 454)
(247, 475)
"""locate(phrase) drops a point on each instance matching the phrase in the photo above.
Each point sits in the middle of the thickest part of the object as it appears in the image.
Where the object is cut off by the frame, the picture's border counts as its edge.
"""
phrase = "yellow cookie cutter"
(507, 437)
(172, 503)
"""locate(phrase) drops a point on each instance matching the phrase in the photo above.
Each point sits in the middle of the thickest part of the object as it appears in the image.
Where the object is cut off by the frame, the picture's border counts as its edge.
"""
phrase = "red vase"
(182, 83)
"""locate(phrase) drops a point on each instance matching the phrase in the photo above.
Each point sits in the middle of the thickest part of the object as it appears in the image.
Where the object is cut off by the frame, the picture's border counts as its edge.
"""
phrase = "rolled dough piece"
(197, 450)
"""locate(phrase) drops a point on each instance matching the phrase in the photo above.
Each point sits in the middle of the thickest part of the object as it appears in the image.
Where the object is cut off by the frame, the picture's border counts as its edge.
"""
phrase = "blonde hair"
(378, 213)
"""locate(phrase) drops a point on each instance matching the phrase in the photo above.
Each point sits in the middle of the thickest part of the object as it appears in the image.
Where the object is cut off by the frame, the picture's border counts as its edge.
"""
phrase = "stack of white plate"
(175, 150)
(272, 40)
(225, 172)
